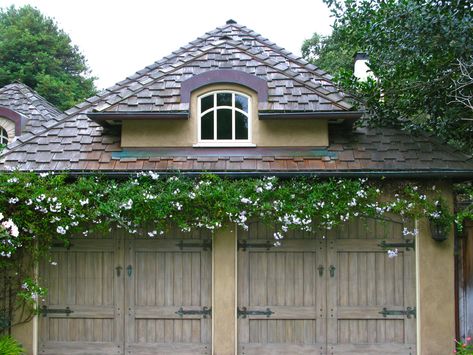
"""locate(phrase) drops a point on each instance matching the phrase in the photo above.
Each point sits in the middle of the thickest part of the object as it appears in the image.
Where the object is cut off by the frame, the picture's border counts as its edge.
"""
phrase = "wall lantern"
(438, 230)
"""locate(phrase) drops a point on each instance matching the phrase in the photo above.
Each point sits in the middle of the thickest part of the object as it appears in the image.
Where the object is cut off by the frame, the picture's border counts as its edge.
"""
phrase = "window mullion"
(215, 117)
(233, 116)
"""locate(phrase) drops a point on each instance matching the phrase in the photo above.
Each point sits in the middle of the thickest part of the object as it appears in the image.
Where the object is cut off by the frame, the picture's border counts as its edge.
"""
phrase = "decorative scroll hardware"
(244, 244)
(119, 269)
(45, 311)
(243, 312)
(408, 312)
(204, 244)
(62, 245)
(332, 270)
(408, 244)
(321, 270)
(129, 270)
(205, 312)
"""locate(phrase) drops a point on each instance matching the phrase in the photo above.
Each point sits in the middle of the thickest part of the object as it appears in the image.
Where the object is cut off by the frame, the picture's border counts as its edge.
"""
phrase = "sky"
(120, 37)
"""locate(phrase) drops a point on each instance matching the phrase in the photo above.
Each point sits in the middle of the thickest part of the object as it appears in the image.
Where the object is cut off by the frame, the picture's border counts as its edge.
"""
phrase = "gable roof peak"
(230, 22)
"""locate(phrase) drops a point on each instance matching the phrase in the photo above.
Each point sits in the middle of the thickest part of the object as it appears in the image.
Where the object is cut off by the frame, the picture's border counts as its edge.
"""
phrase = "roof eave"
(348, 116)
(458, 175)
(115, 118)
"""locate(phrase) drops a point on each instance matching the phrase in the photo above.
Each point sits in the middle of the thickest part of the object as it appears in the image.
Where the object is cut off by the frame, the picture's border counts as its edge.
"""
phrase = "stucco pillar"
(435, 289)
(224, 291)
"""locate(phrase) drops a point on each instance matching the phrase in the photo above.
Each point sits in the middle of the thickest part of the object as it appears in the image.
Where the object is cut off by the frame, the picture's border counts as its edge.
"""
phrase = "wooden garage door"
(83, 282)
(128, 295)
(168, 299)
(285, 281)
(368, 292)
(333, 292)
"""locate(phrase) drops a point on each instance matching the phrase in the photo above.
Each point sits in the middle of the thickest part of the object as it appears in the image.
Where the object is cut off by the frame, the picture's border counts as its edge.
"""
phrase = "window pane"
(3, 136)
(241, 102)
(224, 99)
(224, 124)
(241, 126)
(206, 103)
(207, 126)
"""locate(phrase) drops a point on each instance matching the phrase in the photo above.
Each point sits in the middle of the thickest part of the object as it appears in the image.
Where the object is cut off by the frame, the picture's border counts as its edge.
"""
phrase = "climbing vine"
(37, 210)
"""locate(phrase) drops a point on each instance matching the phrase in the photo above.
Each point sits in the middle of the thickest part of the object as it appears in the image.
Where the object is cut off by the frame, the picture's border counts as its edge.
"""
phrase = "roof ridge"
(284, 52)
(22, 87)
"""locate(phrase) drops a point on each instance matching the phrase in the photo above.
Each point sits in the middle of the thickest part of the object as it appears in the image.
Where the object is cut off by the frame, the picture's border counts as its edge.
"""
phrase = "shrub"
(9, 346)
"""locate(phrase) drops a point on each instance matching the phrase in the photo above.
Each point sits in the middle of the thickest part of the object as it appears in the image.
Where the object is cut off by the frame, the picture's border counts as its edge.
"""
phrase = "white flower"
(259, 189)
(53, 263)
(14, 230)
(191, 195)
(43, 175)
(127, 205)
(392, 253)
(13, 200)
(84, 202)
(153, 233)
(245, 200)
(61, 230)
(278, 236)
(176, 191)
(1, 216)
(12, 180)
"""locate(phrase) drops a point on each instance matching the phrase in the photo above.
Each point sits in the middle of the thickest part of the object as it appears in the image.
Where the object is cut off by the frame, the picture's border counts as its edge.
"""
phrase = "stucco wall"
(277, 133)
(435, 289)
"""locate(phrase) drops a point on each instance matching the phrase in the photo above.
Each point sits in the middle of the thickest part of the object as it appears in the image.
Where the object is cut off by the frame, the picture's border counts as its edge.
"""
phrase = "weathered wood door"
(168, 301)
(286, 281)
(126, 293)
(364, 283)
(334, 292)
(83, 282)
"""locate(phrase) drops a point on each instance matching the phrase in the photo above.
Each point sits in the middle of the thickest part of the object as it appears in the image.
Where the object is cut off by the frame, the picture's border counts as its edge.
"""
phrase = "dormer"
(226, 94)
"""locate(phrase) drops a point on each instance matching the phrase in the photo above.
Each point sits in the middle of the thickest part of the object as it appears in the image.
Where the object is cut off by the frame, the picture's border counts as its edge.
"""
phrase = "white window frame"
(224, 142)
(4, 136)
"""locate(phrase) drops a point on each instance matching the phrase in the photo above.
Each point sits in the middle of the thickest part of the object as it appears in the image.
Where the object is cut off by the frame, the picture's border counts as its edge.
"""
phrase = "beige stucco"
(435, 289)
(9, 126)
(224, 291)
(183, 133)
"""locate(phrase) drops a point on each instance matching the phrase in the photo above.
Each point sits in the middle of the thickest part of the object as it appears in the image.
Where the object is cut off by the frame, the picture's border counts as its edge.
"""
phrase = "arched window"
(224, 118)
(3, 136)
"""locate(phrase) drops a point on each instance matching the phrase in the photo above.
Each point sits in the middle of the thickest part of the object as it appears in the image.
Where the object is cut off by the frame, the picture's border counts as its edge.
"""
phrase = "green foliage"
(34, 51)
(414, 47)
(9, 346)
(328, 53)
(464, 347)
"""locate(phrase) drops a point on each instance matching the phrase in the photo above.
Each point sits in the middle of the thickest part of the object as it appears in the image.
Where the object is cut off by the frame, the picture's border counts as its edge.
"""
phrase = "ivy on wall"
(39, 209)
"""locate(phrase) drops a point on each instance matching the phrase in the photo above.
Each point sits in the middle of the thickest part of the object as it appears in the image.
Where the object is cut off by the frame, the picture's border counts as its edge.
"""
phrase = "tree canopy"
(34, 51)
(421, 52)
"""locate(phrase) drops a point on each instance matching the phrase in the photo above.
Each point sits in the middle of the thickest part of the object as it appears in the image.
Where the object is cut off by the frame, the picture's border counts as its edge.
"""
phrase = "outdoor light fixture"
(439, 231)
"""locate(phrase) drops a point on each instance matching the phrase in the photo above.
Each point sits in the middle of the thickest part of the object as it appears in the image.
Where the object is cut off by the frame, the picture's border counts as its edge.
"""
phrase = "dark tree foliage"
(328, 53)
(34, 51)
(415, 47)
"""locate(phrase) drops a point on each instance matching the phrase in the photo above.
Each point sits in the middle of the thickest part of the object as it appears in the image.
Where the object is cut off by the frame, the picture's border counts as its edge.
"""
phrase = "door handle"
(129, 270)
(321, 270)
(332, 271)
(119, 269)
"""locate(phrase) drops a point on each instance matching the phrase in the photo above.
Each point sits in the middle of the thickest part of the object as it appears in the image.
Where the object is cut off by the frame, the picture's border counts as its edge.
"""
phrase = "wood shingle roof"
(73, 142)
